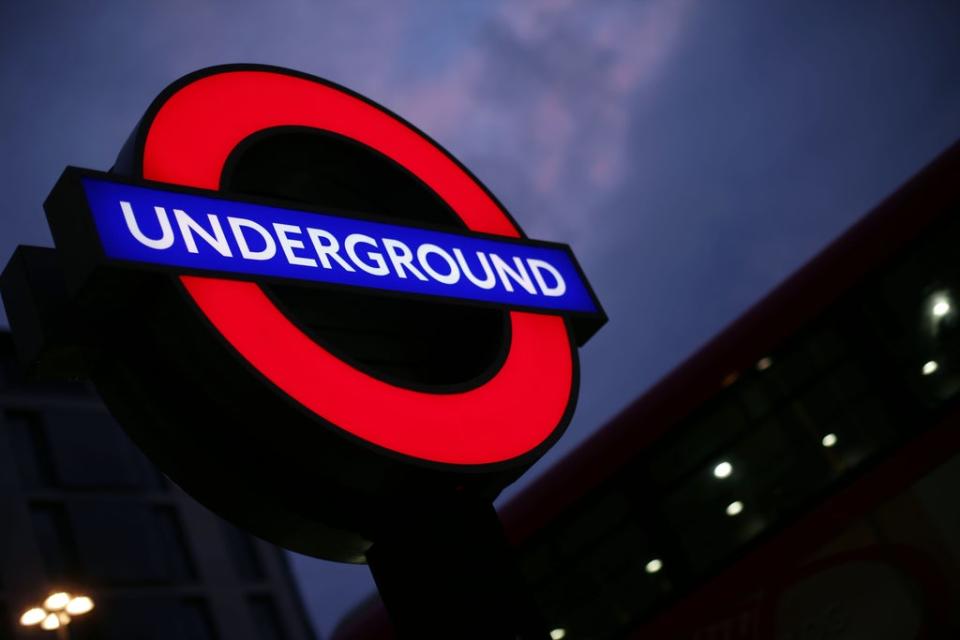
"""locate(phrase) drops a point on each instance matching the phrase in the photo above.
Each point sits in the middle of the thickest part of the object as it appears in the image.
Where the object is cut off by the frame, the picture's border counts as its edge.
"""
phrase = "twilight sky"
(692, 153)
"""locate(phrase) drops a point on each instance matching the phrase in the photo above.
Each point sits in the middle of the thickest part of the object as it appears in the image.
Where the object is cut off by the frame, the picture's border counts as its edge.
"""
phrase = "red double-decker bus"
(798, 477)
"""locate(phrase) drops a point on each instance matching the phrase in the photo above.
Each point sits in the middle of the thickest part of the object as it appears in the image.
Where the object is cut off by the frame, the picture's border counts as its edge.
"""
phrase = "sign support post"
(446, 570)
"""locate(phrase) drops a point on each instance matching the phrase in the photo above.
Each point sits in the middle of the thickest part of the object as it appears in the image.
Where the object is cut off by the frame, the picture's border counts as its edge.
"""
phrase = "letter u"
(489, 279)
(166, 231)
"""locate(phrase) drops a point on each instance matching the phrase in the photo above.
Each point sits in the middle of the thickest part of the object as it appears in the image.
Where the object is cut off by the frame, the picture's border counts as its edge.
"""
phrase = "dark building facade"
(796, 478)
(81, 509)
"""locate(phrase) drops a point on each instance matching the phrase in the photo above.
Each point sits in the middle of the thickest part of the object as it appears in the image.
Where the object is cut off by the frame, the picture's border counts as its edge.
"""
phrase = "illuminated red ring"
(188, 142)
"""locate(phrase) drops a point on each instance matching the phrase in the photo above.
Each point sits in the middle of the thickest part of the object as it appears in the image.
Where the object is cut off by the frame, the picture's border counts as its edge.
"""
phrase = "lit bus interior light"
(930, 367)
(723, 470)
(654, 566)
(734, 508)
(558, 634)
(940, 306)
(829, 440)
(764, 363)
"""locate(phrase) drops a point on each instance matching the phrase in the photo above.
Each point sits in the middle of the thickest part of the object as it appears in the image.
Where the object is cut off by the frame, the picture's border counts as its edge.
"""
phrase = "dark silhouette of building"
(797, 478)
(82, 509)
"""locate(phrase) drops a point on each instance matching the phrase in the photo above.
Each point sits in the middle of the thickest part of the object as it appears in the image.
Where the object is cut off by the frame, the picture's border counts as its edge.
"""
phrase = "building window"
(56, 448)
(91, 451)
(154, 618)
(31, 449)
(52, 532)
(266, 620)
(173, 545)
(195, 621)
(9, 371)
(243, 551)
(128, 542)
(6, 624)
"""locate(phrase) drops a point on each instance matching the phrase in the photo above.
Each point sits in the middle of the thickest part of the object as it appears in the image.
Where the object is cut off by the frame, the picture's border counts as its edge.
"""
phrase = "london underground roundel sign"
(305, 310)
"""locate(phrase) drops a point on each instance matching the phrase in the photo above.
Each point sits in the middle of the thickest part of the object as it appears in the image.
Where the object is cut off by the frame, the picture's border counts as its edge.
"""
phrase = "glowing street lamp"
(57, 612)
(79, 605)
(33, 616)
(57, 601)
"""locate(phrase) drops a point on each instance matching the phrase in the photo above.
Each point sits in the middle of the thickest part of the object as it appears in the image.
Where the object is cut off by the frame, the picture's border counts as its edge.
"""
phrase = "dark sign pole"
(446, 570)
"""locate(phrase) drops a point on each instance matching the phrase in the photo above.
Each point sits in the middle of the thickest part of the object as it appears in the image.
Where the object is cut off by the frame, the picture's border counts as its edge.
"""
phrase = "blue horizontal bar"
(211, 234)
